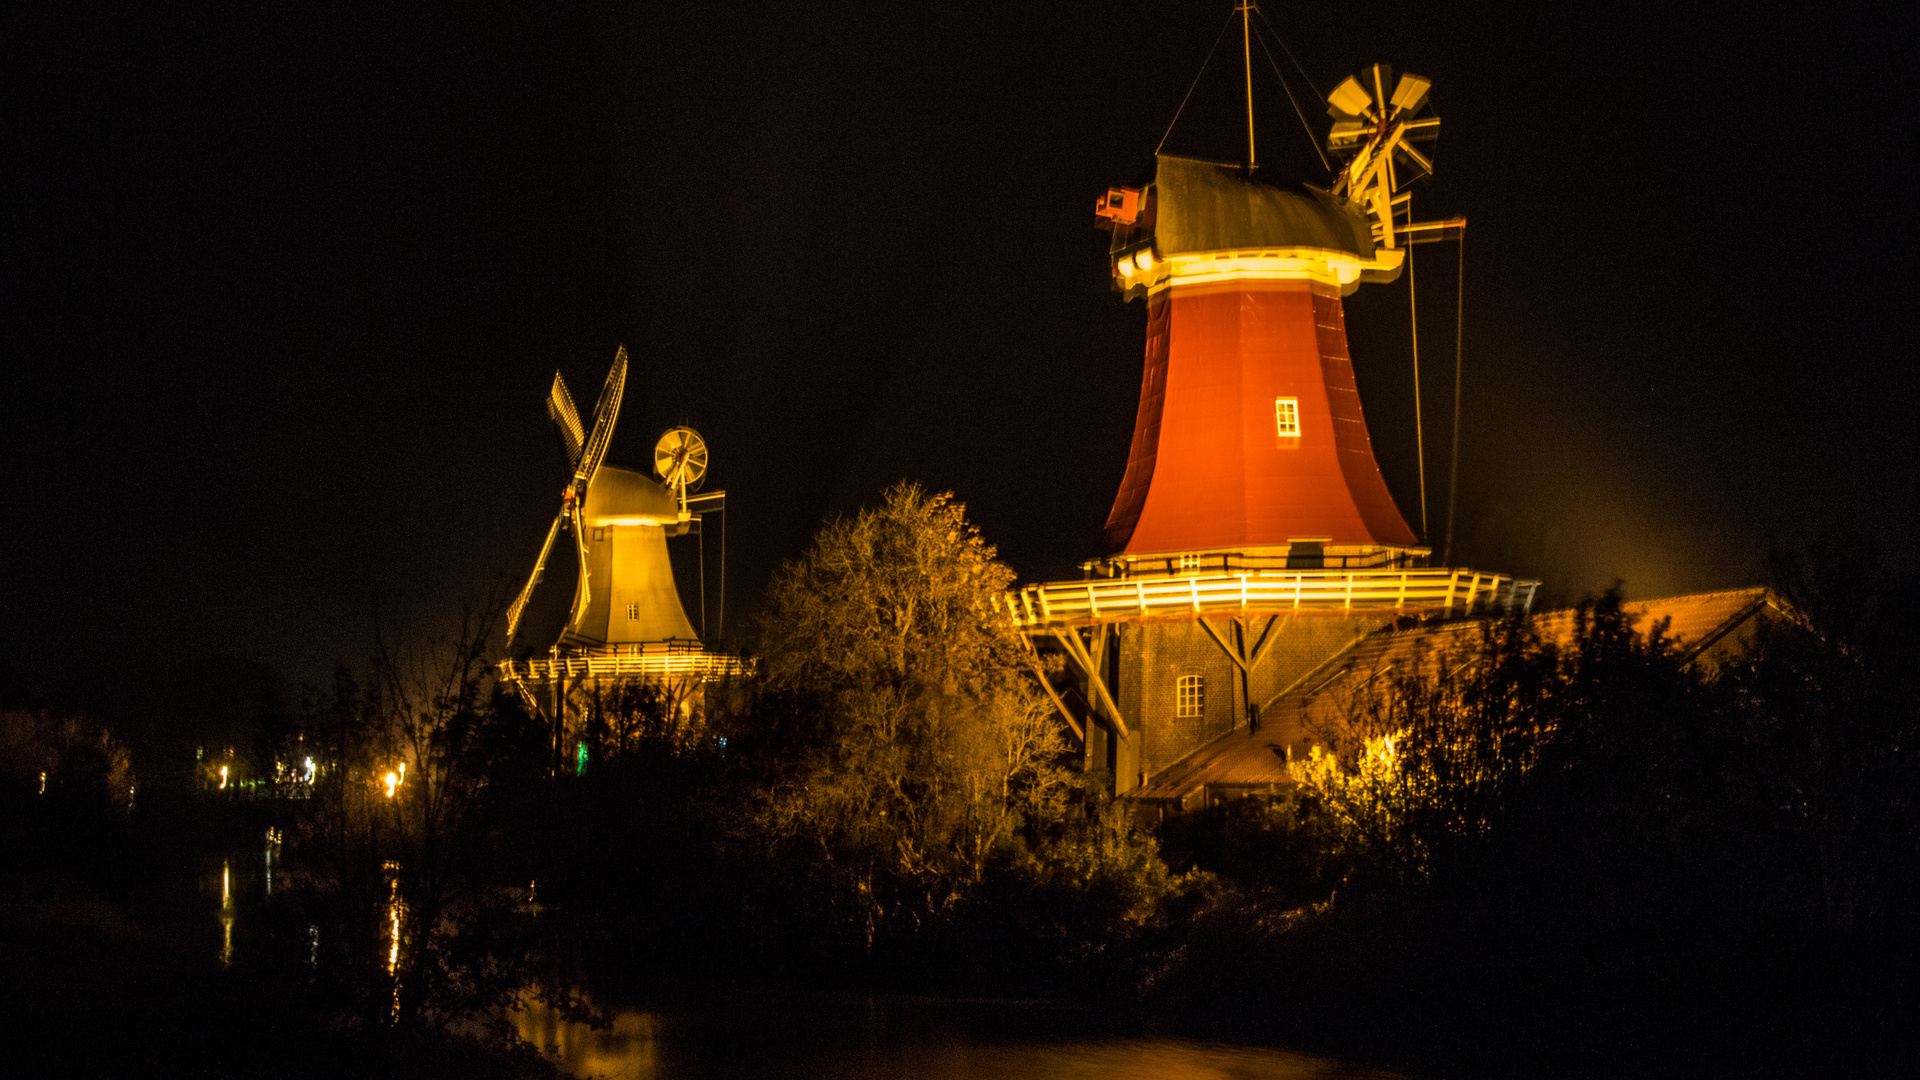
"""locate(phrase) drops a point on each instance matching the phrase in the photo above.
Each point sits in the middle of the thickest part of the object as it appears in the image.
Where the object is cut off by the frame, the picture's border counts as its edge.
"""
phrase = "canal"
(854, 1037)
(717, 1036)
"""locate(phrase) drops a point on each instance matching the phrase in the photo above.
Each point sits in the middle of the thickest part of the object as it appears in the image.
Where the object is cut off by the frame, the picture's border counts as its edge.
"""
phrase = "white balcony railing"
(1079, 603)
(662, 664)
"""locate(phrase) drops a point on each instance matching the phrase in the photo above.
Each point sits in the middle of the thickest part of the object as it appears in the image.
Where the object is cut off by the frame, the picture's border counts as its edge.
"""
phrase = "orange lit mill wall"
(1196, 479)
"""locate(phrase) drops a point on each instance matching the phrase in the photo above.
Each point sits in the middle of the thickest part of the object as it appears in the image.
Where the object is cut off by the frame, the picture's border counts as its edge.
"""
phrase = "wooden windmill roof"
(1204, 206)
(1706, 627)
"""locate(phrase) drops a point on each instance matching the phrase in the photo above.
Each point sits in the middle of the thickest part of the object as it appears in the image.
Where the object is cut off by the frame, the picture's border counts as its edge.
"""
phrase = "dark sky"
(285, 287)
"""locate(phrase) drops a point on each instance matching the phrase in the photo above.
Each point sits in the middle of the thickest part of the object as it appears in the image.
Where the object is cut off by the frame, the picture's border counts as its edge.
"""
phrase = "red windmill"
(1250, 437)
(1253, 536)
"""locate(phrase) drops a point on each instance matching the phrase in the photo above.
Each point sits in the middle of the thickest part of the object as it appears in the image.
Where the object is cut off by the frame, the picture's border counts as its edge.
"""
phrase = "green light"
(580, 760)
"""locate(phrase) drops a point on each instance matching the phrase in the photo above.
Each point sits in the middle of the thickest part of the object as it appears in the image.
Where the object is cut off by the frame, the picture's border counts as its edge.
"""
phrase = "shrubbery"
(1601, 839)
(1512, 828)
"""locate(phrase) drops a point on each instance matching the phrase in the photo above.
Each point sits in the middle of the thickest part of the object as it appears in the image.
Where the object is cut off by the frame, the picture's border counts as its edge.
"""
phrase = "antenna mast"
(1246, 54)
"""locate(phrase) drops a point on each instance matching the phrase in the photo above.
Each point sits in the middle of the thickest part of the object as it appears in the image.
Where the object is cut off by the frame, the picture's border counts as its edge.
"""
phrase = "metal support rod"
(1246, 51)
(1419, 430)
(1459, 322)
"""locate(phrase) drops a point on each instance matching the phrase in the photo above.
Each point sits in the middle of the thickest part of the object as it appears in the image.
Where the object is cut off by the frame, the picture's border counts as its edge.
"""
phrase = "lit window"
(1190, 695)
(1286, 417)
(633, 611)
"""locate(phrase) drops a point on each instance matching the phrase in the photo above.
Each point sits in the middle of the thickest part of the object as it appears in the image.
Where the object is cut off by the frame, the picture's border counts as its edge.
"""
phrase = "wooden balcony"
(664, 662)
(1421, 590)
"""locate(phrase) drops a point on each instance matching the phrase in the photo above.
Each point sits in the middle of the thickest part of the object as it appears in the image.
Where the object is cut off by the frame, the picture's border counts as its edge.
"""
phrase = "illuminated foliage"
(1372, 801)
(912, 742)
(1435, 756)
(55, 755)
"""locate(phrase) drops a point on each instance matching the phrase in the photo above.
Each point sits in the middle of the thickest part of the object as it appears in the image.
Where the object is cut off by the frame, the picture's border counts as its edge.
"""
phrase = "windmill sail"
(583, 596)
(605, 412)
(539, 570)
(566, 417)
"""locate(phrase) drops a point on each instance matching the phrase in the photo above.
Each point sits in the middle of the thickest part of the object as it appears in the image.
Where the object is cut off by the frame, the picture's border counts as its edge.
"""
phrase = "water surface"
(883, 1038)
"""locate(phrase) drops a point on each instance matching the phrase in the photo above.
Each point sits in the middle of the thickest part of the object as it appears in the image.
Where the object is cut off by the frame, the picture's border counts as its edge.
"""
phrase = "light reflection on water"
(244, 886)
(395, 909)
(833, 1037)
(396, 915)
(623, 1052)
(237, 886)
(226, 913)
(893, 1040)
(273, 846)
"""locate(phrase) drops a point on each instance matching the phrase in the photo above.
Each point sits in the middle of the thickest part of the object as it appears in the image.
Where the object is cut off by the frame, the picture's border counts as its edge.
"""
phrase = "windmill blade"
(585, 596)
(1347, 135)
(1411, 93)
(605, 412)
(1382, 75)
(539, 569)
(1423, 161)
(1350, 98)
(566, 417)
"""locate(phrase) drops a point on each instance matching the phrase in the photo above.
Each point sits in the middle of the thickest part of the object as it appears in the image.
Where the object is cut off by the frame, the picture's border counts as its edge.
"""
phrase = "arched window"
(1190, 695)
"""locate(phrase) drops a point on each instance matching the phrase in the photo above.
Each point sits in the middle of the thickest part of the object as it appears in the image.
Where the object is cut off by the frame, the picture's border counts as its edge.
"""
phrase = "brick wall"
(1153, 657)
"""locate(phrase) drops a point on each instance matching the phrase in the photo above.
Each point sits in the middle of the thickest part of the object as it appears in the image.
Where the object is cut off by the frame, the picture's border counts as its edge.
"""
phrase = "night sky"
(285, 287)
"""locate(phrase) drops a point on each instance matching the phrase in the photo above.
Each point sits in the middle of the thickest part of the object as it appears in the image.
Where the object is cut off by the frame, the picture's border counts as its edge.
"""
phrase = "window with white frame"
(1286, 417)
(1189, 562)
(633, 611)
(1190, 695)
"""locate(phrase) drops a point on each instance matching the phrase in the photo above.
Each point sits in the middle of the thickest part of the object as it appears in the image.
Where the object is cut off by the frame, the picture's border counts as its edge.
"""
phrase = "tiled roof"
(1703, 625)
(1698, 622)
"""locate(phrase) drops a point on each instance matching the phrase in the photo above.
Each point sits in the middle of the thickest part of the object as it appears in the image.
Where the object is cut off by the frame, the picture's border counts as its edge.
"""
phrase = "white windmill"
(627, 620)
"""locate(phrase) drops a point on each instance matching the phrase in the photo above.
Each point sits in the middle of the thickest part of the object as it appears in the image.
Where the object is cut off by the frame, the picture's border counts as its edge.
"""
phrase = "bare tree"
(403, 835)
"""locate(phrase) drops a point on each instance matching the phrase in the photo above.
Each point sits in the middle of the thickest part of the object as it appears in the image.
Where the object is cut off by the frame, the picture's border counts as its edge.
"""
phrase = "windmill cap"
(628, 497)
(1205, 206)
